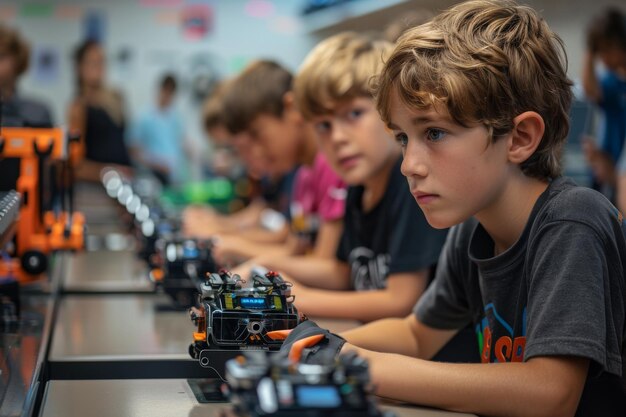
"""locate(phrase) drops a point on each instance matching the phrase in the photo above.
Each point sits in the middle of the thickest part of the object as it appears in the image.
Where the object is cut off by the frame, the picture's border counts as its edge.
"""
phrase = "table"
(152, 398)
(23, 349)
(105, 271)
(129, 336)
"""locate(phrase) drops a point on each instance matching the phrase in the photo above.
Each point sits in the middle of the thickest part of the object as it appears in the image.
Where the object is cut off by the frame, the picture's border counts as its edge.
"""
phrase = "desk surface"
(106, 271)
(128, 336)
(128, 326)
(151, 398)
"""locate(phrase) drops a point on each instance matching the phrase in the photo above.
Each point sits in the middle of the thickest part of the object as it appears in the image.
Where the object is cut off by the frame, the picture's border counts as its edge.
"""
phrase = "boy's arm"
(543, 386)
(329, 274)
(400, 335)
(403, 290)
(204, 221)
(232, 249)
(261, 235)
(327, 238)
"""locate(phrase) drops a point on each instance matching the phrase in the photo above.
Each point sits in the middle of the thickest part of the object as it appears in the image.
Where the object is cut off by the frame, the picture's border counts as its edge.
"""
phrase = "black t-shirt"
(559, 290)
(393, 237)
(104, 138)
(277, 193)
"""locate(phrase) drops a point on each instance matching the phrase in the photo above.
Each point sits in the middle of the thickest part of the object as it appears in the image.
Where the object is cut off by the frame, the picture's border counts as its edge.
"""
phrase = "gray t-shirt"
(559, 290)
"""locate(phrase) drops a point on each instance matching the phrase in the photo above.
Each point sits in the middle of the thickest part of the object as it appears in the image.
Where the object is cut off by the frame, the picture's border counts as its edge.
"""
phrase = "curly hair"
(486, 61)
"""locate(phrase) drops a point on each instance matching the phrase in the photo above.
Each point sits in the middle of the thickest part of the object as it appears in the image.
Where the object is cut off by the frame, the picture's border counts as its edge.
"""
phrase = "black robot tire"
(34, 262)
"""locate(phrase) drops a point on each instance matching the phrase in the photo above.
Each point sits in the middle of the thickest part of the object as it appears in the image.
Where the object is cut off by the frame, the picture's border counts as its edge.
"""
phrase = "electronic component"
(232, 317)
(180, 266)
(261, 384)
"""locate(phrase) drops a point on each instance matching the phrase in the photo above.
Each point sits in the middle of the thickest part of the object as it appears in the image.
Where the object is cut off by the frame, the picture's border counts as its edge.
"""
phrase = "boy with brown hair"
(259, 103)
(387, 248)
(478, 98)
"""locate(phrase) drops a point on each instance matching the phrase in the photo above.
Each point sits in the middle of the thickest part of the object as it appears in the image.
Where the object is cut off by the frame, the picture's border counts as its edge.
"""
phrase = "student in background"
(157, 138)
(606, 44)
(260, 103)
(97, 113)
(16, 110)
(387, 248)
(534, 262)
(248, 223)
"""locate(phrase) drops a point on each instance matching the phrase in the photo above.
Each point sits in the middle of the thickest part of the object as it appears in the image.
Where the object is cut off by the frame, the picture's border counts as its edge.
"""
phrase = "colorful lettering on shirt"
(508, 347)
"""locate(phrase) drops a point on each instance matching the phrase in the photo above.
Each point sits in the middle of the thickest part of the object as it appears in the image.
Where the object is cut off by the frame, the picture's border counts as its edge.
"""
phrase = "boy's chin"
(439, 221)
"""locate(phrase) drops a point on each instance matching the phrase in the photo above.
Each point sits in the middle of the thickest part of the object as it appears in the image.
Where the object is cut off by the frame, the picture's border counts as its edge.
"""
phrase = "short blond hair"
(487, 62)
(338, 69)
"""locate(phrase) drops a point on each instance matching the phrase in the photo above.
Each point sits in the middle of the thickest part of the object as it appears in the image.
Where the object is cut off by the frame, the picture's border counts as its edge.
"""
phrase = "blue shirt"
(159, 134)
(613, 104)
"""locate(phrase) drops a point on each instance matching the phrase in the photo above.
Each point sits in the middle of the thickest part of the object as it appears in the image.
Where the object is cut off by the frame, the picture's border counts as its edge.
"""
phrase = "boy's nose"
(338, 134)
(413, 162)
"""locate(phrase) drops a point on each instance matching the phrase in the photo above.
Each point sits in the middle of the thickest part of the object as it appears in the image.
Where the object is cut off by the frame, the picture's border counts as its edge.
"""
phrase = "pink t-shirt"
(318, 195)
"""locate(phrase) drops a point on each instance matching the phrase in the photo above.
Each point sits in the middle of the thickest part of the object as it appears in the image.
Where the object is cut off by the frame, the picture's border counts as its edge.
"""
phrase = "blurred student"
(260, 103)
(97, 113)
(16, 110)
(387, 248)
(606, 43)
(157, 139)
(260, 221)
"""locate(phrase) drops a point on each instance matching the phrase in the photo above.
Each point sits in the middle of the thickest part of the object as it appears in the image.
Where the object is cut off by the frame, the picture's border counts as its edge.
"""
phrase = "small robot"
(179, 266)
(272, 385)
(236, 318)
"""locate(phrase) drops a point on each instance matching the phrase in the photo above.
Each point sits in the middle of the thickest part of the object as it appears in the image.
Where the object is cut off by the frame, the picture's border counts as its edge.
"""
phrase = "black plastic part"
(34, 262)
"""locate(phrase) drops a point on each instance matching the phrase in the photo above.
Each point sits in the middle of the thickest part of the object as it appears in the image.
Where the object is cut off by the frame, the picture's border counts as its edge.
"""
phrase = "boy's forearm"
(260, 235)
(386, 335)
(311, 271)
(248, 249)
(357, 305)
(540, 387)
(244, 218)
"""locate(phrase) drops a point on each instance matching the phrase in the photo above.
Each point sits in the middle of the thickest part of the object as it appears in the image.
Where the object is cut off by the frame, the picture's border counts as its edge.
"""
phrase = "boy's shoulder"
(566, 201)
(563, 201)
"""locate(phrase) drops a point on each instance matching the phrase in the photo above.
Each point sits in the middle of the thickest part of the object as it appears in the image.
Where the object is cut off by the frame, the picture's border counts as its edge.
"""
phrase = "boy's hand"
(199, 222)
(309, 343)
(226, 250)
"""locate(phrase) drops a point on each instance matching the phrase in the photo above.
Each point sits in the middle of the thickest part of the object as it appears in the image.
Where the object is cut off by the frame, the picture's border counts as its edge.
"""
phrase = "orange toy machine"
(43, 227)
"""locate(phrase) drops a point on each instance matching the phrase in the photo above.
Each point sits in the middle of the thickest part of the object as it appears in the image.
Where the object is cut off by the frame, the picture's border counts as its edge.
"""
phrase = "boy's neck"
(506, 219)
(375, 187)
(308, 150)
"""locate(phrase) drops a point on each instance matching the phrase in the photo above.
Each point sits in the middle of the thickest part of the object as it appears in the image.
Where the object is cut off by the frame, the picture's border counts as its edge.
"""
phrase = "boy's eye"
(322, 127)
(354, 114)
(402, 139)
(435, 135)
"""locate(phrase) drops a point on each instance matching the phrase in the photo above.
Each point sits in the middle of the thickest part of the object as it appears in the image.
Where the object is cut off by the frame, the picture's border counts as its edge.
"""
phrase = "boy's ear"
(289, 105)
(526, 136)
(289, 100)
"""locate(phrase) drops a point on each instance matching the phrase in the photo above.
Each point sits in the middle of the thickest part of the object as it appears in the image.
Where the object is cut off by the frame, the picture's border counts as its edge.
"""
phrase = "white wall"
(235, 39)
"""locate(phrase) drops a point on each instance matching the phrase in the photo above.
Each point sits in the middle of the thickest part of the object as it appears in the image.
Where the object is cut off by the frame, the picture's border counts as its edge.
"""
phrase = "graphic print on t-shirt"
(368, 271)
(497, 341)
